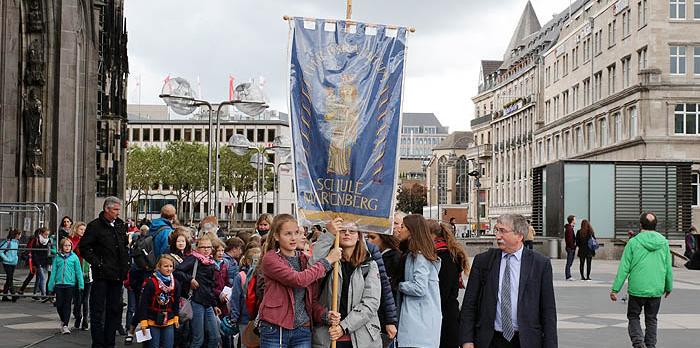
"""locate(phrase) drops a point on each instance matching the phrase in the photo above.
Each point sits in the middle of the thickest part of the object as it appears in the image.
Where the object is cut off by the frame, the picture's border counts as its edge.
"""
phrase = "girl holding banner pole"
(356, 322)
(290, 283)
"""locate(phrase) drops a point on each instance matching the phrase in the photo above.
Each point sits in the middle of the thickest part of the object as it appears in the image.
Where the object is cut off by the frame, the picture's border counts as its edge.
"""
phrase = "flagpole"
(336, 266)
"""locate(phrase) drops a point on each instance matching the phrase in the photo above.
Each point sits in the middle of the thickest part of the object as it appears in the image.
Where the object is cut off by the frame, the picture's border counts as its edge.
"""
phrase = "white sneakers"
(65, 330)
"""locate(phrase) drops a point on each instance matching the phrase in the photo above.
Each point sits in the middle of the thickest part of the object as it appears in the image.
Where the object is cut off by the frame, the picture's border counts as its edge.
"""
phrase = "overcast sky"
(212, 39)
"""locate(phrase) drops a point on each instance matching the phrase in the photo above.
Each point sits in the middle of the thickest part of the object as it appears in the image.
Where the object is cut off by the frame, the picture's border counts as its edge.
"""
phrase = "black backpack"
(142, 251)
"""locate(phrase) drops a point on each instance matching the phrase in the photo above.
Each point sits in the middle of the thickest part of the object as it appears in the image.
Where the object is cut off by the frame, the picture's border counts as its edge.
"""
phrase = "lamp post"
(280, 146)
(184, 99)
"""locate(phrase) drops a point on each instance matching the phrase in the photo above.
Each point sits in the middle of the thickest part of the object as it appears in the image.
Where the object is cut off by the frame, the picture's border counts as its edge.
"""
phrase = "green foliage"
(143, 170)
(184, 168)
(412, 199)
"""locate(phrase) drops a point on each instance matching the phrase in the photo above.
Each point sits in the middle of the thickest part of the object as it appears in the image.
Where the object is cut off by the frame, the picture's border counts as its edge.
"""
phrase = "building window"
(136, 134)
(166, 134)
(695, 184)
(442, 181)
(611, 79)
(626, 23)
(462, 188)
(579, 139)
(590, 128)
(696, 60)
(188, 134)
(677, 60)
(686, 119)
(574, 98)
(261, 135)
(177, 135)
(198, 135)
(270, 135)
(604, 132)
(696, 9)
(587, 91)
(677, 9)
(156, 135)
(146, 134)
(549, 149)
(642, 13)
(597, 85)
(611, 32)
(634, 121)
(250, 135)
(618, 127)
(625, 72)
(642, 58)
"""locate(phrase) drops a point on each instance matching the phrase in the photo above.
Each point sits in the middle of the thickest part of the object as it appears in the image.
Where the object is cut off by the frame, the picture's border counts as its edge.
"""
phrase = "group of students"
(57, 267)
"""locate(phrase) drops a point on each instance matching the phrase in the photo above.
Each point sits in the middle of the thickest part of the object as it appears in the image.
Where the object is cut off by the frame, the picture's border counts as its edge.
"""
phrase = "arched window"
(442, 180)
(462, 184)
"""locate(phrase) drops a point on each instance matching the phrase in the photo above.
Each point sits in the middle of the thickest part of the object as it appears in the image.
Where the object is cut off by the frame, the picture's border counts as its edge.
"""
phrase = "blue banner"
(345, 109)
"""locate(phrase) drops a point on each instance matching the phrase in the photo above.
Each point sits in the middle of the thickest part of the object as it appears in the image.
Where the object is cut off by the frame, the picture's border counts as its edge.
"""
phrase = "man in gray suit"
(509, 301)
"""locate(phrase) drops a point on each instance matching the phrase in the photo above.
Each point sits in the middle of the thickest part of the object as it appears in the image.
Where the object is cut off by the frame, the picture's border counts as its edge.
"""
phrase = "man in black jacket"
(104, 247)
(509, 301)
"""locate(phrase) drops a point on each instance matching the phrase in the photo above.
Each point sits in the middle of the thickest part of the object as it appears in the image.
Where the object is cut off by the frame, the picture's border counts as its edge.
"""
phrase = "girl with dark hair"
(421, 317)
(453, 261)
(8, 255)
(179, 243)
(356, 323)
(391, 255)
(64, 230)
(585, 254)
(286, 309)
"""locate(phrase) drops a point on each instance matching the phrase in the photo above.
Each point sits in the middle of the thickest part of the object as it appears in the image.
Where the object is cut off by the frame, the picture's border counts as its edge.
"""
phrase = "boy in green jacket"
(646, 260)
(66, 276)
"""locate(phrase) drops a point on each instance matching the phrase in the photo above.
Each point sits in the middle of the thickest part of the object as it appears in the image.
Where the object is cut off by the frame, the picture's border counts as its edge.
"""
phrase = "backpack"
(26, 255)
(593, 243)
(251, 299)
(142, 251)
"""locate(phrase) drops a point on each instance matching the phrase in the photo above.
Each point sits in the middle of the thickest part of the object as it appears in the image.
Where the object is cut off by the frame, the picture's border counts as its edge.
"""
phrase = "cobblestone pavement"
(586, 316)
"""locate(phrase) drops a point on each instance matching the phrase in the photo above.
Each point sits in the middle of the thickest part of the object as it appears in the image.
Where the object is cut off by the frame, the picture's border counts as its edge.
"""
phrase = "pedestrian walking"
(80, 302)
(585, 251)
(285, 312)
(530, 236)
(66, 277)
(453, 262)
(66, 227)
(104, 247)
(570, 240)
(160, 304)
(161, 228)
(8, 255)
(646, 265)
(691, 242)
(420, 316)
(504, 307)
(196, 275)
(356, 322)
(38, 261)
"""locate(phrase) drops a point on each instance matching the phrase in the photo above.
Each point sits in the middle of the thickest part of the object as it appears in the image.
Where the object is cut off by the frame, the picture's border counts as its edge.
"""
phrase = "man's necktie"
(506, 320)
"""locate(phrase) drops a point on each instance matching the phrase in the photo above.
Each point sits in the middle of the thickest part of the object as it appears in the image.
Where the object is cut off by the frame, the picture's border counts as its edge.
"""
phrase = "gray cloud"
(247, 39)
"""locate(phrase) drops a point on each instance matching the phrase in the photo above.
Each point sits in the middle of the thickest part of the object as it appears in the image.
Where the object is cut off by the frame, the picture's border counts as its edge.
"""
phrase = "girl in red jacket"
(160, 304)
(286, 309)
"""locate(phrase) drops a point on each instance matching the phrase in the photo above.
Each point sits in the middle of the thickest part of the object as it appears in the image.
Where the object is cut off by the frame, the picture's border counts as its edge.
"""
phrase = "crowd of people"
(274, 286)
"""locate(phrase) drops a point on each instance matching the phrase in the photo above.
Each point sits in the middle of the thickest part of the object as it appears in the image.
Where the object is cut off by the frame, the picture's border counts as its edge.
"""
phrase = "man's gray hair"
(516, 222)
(110, 202)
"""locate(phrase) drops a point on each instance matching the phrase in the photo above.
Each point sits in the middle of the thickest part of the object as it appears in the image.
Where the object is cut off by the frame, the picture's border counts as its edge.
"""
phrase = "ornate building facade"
(63, 76)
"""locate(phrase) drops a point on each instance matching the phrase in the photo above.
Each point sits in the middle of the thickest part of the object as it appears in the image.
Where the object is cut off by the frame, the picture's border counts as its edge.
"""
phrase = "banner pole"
(336, 271)
(348, 12)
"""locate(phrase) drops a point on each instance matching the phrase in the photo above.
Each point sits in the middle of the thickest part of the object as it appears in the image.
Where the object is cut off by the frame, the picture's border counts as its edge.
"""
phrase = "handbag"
(186, 303)
(248, 337)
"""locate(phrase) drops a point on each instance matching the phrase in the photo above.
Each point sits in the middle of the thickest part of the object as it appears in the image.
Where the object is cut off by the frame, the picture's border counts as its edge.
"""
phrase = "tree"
(412, 198)
(143, 171)
(184, 168)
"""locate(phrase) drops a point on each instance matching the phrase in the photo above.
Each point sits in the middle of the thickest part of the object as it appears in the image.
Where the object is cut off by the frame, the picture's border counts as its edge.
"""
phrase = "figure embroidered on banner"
(342, 115)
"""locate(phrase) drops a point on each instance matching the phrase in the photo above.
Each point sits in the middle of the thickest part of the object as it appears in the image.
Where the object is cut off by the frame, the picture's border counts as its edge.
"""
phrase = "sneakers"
(570, 279)
(65, 330)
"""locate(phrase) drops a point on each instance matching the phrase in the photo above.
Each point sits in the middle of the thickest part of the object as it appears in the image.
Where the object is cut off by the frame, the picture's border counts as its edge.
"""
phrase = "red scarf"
(205, 260)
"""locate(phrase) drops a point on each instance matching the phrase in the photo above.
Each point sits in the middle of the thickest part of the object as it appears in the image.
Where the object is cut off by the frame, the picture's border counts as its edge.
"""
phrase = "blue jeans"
(570, 254)
(162, 336)
(130, 307)
(273, 336)
(203, 318)
(40, 282)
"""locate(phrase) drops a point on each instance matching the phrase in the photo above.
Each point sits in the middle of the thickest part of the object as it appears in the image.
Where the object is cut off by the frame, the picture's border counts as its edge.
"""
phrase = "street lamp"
(179, 95)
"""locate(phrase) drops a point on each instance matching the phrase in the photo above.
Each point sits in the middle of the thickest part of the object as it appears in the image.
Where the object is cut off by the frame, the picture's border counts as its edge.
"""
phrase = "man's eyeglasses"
(205, 247)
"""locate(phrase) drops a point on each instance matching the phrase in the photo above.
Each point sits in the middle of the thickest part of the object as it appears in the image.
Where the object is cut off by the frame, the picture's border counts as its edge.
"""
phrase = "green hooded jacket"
(646, 260)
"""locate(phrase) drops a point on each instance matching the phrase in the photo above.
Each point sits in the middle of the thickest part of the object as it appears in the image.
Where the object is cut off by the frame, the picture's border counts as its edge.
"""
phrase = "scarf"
(167, 284)
(205, 260)
(440, 244)
(43, 240)
(218, 263)
(65, 255)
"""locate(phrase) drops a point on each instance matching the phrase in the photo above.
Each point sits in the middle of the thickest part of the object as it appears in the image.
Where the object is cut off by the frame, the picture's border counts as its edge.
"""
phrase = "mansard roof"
(527, 25)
